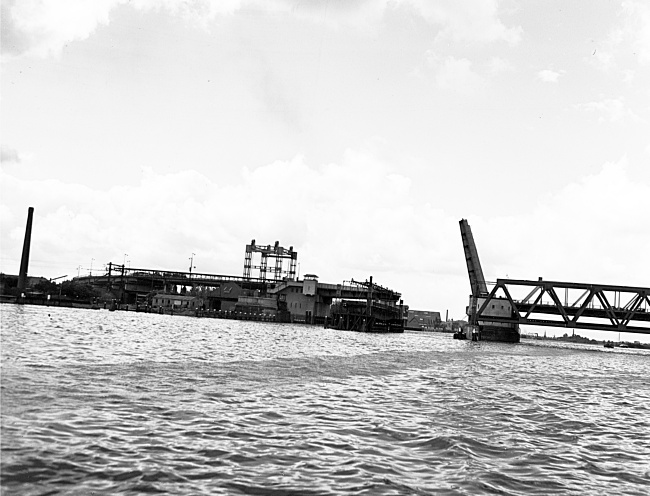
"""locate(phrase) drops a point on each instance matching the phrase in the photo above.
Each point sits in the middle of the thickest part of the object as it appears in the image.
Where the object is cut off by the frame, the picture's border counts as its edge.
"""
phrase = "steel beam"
(608, 316)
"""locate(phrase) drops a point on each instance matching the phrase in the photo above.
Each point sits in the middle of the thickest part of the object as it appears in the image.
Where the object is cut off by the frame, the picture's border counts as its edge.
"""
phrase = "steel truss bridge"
(600, 307)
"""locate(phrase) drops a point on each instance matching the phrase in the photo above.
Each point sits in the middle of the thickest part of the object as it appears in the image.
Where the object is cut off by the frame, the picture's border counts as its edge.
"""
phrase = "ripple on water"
(110, 402)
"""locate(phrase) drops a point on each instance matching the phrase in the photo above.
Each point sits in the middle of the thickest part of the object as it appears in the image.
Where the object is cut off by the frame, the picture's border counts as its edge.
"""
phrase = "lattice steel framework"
(267, 251)
(598, 307)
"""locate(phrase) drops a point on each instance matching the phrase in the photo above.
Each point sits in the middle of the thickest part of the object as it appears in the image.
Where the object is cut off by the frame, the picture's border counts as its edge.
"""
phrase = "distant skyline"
(357, 132)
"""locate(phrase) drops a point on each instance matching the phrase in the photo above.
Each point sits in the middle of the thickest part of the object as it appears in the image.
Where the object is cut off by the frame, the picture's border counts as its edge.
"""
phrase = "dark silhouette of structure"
(24, 261)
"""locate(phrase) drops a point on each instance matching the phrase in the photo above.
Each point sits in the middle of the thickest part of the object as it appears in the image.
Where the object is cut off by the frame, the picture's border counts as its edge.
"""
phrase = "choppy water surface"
(97, 402)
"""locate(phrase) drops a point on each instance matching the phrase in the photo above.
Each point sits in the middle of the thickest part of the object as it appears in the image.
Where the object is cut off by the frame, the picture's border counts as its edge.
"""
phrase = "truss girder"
(592, 304)
(276, 252)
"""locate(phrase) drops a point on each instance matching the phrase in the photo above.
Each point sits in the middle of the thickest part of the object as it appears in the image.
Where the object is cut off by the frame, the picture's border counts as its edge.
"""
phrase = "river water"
(98, 402)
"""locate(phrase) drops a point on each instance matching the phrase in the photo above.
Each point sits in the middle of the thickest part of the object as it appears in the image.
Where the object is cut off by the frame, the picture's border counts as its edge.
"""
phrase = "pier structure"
(375, 310)
(297, 300)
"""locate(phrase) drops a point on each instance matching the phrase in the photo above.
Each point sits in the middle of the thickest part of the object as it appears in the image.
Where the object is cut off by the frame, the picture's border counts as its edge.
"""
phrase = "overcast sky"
(358, 132)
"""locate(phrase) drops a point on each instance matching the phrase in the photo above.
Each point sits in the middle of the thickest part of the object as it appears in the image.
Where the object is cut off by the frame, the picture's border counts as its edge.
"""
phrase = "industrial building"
(275, 294)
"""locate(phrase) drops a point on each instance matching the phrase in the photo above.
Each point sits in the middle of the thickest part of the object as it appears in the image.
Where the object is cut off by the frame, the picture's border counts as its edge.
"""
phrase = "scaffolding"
(378, 313)
(275, 271)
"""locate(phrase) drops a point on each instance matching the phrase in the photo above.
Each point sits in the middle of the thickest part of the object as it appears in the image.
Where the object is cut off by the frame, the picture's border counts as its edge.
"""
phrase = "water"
(98, 402)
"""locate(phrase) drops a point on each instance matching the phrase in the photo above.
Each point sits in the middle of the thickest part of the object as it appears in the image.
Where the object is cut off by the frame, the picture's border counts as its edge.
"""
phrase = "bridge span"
(601, 307)
(499, 312)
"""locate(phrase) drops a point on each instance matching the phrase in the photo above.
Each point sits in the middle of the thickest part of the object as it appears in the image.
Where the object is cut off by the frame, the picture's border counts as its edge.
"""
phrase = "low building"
(303, 301)
(423, 320)
(257, 305)
(166, 301)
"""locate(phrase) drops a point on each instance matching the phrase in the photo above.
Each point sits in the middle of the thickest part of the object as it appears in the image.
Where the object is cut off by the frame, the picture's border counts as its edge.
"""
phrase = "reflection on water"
(106, 402)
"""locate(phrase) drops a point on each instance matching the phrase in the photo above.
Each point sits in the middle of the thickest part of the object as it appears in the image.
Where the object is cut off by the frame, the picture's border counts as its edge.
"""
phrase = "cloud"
(630, 36)
(9, 155)
(461, 75)
(575, 234)
(44, 27)
(466, 20)
(350, 219)
(329, 213)
(637, 28)
(459, 20)
(455, 74)
(497, 65)
(549, 76)
(609, 110)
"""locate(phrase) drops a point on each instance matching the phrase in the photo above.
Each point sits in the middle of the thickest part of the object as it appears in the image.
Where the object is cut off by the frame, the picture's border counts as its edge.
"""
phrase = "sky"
(358, 132)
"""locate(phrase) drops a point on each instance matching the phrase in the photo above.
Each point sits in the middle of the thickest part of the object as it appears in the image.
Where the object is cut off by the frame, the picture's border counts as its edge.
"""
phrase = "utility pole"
(192, 264)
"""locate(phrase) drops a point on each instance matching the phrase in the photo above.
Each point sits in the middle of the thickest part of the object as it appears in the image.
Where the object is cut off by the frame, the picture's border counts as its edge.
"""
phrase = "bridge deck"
(592, 310)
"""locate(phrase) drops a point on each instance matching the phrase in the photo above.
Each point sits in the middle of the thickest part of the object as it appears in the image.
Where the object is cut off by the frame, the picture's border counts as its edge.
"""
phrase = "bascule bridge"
(500, 311)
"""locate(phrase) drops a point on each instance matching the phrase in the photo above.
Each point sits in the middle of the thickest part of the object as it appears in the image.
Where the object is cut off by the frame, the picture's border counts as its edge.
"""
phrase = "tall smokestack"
(24, 261)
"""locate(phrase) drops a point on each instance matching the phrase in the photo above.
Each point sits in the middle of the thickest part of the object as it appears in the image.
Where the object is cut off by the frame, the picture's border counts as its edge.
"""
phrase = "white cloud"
(605, 54)
(637, 27)
(610, 110)
(591, 231)
(549, 76)
(455, 74)
(629, 36)
(475, 21)
(466, 20)
(628, 76)
(350, 219)
(461, 75)
(199, 12)
(341, 218)
(45, 27)
(497, 65)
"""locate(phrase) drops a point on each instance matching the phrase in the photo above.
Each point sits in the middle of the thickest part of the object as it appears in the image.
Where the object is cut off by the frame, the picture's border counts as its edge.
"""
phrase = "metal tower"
(278, 253)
